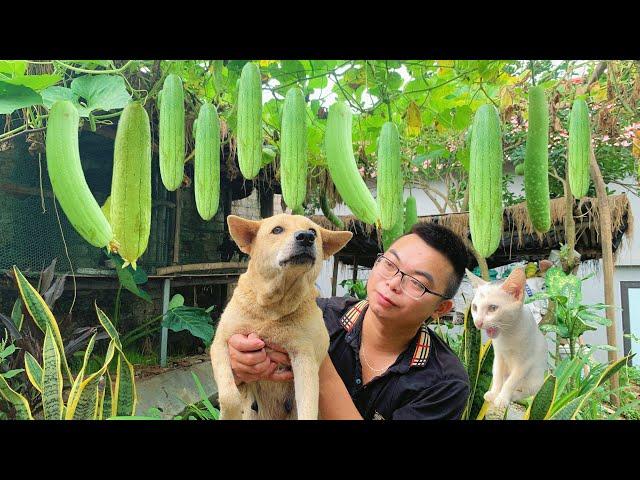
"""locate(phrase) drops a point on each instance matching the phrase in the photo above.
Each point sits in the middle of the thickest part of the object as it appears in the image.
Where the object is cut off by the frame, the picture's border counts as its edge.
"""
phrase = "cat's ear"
(474, 279)
(514, 284)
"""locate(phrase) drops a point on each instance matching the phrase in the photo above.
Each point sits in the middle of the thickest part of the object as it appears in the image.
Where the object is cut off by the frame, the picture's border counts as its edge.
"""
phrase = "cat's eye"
(493, 308)
(474, 307)
(277, 230)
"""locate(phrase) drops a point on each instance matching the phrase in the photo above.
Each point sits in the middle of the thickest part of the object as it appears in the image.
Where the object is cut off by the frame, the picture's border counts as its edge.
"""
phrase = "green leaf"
(80, 376)
(130, 278)
(462, 117)
(12, 373)
(13, 97)
(23, 411)
(41, 314)
(102, 92)
(16, 314)
(483, 382)
(124, 396)
(560, 329)
(35, 82)
(13, 67)
(52, 402)
(108, 326)
(176, 301)
(85, 402)
(590, 318)
(97, 92)
(203, 397)
(195, 320)
(542, 402)
(7, 351)
(53, 94)
(34, 371)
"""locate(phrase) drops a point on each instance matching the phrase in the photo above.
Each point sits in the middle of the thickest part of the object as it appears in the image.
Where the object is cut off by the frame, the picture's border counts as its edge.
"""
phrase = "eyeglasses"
(412, 287)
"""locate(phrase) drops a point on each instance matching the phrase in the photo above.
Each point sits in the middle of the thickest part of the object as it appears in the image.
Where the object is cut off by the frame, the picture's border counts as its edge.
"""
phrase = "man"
(383, 362)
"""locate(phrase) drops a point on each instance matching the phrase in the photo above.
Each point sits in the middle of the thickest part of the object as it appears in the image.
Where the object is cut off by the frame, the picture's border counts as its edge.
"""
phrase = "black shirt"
(426, 382)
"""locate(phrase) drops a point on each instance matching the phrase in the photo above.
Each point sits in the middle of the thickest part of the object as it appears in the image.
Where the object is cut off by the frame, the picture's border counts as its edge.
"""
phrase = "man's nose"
(394, 282)
(305, 237)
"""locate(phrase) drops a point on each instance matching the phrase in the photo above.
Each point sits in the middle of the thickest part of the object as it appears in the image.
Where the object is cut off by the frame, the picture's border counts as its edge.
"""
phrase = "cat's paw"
(489, 396)
(501, 401)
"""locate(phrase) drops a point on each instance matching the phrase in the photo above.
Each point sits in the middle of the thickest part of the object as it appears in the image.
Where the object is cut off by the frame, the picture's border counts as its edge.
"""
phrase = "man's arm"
(335, 401)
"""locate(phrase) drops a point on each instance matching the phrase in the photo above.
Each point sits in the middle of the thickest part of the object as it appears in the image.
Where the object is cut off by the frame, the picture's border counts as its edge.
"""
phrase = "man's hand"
(252, 360)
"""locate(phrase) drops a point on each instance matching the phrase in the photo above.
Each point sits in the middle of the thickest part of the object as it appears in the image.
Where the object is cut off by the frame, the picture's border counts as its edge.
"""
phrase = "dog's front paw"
(230, 413)
(230, 407)
(501, 401)
(490, 395)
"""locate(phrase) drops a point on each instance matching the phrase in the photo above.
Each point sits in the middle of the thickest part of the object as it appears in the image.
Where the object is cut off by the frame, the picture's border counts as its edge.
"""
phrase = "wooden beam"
(194, 267)
(22, 190)
(355, 269)
(334, 278)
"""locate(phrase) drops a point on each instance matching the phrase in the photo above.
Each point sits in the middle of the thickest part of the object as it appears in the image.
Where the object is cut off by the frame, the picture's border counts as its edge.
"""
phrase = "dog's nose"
(305, 237)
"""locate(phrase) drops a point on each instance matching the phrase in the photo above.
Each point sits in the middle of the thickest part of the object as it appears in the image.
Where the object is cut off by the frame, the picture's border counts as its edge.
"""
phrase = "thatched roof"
(520, 241)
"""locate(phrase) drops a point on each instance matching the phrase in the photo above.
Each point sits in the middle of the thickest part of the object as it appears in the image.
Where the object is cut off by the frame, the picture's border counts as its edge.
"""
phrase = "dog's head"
(285, 242)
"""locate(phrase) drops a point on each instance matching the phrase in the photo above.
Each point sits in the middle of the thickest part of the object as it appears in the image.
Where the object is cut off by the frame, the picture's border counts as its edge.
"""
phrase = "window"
(630, 295)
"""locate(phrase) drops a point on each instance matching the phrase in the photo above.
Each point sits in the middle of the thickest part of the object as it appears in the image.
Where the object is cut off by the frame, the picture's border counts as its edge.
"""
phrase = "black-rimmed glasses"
(411, 286)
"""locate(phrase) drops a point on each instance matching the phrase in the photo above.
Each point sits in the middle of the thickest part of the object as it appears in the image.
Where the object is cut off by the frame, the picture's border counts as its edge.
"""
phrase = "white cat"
(520, 349)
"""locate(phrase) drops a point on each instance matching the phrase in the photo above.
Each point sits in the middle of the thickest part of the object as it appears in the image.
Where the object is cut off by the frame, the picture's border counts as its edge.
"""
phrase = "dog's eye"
(315, 234)
(277, 230)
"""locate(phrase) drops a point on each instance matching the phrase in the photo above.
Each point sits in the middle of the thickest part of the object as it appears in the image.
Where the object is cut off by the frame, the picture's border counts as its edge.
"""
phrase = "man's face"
(390, 303)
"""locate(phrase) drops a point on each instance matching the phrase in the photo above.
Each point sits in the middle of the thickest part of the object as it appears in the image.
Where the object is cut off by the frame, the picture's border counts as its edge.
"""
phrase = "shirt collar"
(423, 344)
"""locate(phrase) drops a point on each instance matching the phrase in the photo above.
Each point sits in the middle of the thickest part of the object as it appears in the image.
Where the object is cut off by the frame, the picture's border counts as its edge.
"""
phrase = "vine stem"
(99, 72)
(533, 76)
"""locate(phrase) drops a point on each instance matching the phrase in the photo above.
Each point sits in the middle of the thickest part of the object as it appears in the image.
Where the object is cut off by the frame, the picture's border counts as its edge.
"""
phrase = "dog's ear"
(333, 242)
(243, 232)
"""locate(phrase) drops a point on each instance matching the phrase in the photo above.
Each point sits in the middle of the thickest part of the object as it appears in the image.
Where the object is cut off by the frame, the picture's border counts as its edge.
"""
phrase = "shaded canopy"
(519, 242)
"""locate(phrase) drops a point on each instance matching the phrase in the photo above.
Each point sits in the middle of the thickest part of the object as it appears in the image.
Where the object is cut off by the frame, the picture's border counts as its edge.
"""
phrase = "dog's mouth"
(299, 258)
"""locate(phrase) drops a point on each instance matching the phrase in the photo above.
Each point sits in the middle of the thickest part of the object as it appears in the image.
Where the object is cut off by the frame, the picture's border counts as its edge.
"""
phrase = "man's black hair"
(450, 245)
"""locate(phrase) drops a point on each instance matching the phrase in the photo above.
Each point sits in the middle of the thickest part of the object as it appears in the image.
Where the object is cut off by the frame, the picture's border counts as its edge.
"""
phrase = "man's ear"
(333, 242)
(243, 232)
(474, 279)
(444, 308)
(514, 284)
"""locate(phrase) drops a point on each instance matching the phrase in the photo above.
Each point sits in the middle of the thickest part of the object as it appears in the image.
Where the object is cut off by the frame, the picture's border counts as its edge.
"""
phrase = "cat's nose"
(478, 323)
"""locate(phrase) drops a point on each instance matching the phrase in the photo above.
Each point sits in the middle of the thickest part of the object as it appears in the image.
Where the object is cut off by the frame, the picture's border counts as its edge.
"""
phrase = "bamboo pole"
(604, 217)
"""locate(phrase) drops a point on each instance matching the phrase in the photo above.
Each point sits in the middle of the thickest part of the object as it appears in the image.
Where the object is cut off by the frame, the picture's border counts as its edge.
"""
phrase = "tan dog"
(276, 299)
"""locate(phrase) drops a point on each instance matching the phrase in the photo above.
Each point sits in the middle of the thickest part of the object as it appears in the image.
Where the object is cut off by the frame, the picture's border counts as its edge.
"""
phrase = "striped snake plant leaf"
(52, 401)
(42, 315)
(124, 397)
(540, 406)
(80, 376)
(85, 401)
(34, 371)
(108, 395)
(483, 379)
(16, 314)
(108, 326)
(102, 389)
(21, 405)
